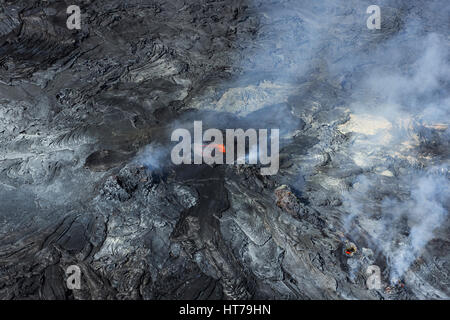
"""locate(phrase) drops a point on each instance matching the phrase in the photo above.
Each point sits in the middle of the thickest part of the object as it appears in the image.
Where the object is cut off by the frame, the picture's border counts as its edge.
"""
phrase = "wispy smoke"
(425, 212)
(407, 219)
(397, 81)
(406, 91)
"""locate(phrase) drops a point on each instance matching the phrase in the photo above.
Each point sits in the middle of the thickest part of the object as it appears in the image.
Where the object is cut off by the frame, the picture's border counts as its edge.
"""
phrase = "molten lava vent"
(350, 249)
(218, 147)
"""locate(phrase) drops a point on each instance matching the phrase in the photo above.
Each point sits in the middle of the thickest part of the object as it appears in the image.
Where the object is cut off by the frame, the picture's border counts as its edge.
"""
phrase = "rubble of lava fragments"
(86, 177)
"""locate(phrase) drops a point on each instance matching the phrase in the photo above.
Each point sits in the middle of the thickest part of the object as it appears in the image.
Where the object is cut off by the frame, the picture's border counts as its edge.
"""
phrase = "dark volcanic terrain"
(86, 178)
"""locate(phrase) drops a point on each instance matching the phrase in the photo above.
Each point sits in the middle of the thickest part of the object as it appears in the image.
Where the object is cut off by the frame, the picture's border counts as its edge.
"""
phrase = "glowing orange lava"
(219, 147)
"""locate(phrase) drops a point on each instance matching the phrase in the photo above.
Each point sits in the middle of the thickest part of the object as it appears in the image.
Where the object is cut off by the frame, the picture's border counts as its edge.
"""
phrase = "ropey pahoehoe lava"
(361, 121)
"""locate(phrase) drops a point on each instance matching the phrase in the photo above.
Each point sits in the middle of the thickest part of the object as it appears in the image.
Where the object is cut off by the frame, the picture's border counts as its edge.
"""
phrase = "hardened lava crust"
(86, 177)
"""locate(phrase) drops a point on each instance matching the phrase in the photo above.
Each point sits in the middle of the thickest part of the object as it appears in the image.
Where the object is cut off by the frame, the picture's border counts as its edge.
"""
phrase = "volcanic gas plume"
(360, 117)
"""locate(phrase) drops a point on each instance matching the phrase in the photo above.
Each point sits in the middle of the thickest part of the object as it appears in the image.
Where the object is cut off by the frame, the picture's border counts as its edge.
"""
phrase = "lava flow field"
(108, 170)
